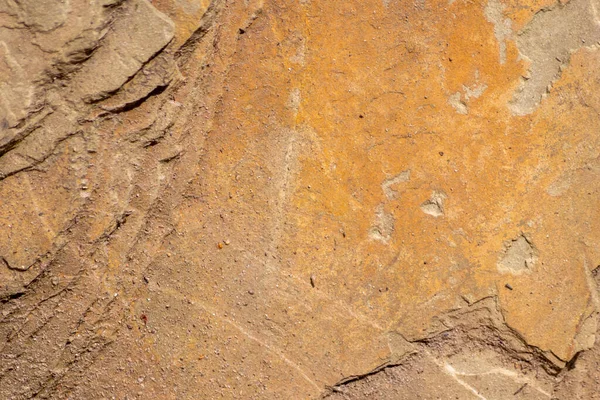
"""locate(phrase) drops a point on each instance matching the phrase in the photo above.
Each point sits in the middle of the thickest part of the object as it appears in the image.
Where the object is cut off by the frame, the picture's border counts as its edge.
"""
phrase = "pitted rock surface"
(299, 199)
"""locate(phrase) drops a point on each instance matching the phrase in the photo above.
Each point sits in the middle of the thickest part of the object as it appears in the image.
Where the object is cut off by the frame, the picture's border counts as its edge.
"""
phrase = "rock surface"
(299, 199)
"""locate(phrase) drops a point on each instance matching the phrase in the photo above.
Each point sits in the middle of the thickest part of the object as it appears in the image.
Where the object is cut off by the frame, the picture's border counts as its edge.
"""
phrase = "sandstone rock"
(261, 199)
(136, 36)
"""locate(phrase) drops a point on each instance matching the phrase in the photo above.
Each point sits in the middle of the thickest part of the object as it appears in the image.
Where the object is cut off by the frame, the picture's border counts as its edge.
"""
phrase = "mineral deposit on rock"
(294, 199)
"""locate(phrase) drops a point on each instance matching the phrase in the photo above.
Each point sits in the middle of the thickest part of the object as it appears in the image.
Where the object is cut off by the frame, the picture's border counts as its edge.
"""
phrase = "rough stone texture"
(299, 199)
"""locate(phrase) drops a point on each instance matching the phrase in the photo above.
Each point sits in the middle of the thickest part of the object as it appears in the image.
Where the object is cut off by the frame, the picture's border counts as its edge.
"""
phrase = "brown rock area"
(277, 199)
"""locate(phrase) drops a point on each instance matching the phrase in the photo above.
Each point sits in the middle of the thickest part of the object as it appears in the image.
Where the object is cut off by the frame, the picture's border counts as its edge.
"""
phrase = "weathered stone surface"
(294, 199)
(136, 36)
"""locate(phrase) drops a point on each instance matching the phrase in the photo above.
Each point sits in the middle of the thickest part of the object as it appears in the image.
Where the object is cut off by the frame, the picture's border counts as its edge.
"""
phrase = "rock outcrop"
(299, 199)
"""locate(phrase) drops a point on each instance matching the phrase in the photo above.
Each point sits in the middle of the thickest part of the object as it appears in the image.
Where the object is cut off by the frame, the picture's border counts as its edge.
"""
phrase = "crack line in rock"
(450, 371)
(249, 335)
